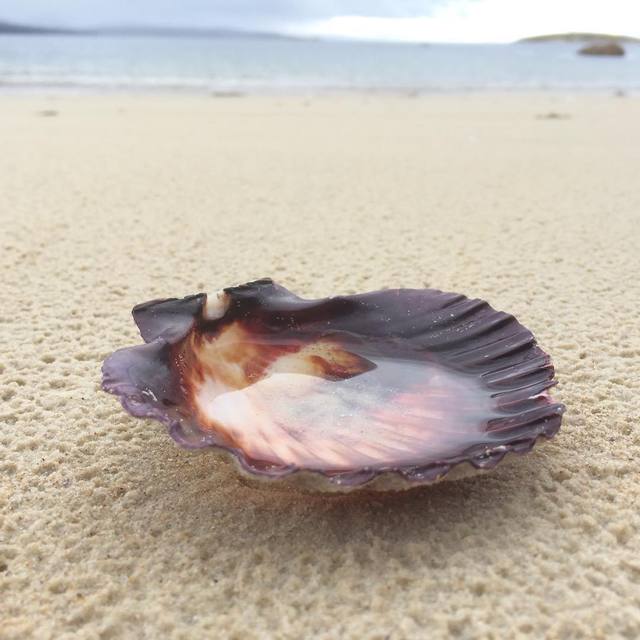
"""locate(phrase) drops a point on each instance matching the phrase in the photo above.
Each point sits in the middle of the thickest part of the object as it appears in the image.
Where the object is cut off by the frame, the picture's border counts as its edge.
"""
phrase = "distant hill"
(581, 38)
(10, 28)
(186, 32)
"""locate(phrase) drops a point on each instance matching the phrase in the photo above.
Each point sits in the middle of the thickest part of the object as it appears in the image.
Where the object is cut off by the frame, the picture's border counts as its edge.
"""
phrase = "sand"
(107, 530)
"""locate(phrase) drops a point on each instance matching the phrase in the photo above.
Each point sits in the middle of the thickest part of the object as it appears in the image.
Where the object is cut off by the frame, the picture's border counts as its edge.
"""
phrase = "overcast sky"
(404, 20)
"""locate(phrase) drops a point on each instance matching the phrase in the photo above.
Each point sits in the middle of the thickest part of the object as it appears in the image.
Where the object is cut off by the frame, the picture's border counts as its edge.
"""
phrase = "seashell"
(388, 389)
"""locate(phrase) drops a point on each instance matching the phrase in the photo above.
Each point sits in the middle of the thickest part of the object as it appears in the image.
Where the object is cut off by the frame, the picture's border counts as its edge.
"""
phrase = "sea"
(231, 64)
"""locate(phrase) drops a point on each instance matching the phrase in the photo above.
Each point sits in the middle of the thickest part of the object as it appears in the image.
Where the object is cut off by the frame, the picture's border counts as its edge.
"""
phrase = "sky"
(394, 20)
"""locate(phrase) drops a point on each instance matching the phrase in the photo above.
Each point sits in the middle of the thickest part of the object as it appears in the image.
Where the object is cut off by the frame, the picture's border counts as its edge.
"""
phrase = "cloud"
(404, 20)
(486, 21)
(249, 14)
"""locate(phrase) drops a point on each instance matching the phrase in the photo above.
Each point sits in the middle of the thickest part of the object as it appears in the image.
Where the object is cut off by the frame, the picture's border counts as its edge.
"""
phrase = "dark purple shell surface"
(388, 389)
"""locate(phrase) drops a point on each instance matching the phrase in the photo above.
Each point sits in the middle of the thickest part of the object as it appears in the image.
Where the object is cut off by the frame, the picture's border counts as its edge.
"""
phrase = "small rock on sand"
(553, 115)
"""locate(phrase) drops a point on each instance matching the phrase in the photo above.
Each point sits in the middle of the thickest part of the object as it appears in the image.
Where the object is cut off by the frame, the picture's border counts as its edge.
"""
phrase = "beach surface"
(108, 530)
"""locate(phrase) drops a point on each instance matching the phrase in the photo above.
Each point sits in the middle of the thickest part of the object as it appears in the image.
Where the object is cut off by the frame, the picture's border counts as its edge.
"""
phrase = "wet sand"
(107, 530)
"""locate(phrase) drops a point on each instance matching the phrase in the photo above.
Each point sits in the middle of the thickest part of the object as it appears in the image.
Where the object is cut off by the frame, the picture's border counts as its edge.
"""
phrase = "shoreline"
(305, 92)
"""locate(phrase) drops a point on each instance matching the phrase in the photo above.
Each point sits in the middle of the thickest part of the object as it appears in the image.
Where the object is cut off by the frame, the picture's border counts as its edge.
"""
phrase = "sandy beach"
(108, 530)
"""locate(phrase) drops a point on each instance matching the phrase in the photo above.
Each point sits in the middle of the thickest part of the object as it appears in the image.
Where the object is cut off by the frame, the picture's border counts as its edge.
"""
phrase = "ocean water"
(258, 64)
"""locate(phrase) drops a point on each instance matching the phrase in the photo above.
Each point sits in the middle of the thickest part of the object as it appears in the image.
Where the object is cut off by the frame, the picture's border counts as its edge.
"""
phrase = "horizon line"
(8, 28)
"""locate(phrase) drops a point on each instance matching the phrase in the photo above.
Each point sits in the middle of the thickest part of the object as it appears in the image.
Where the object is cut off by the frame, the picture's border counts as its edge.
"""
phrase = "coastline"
(322, 93)
(529, 201)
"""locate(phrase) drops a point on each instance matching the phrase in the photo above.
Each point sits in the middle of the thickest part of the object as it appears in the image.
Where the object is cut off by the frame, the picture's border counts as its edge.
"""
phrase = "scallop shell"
(388, 389)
